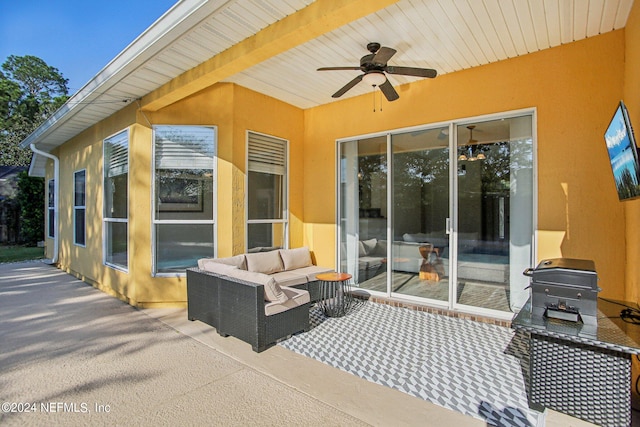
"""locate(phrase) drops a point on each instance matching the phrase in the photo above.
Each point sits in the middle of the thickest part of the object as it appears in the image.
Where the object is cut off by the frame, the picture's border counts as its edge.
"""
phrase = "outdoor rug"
(471, 367)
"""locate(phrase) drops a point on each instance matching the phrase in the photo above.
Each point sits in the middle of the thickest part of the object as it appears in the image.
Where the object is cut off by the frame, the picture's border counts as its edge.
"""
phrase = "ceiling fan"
(374, 66)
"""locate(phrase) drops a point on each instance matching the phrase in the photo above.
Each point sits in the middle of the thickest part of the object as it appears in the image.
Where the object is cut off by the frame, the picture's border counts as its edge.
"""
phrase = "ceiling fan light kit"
(471, 157)
(374, 66)
(374, 78)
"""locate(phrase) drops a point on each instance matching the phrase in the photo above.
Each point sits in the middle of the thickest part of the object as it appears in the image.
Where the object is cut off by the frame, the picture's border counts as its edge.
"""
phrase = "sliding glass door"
(420, 212)
(441, 214)
(494, 211)
(363, 211)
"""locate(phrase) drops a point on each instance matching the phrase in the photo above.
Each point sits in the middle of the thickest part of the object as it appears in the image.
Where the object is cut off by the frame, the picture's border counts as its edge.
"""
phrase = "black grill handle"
(528, 272)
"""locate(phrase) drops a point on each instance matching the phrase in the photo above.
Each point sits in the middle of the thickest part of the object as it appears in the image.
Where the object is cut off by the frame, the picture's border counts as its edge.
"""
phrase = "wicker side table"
(335, 297)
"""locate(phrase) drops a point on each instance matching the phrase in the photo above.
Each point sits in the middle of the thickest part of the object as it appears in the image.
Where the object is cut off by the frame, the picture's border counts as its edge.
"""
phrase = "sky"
(78, 37)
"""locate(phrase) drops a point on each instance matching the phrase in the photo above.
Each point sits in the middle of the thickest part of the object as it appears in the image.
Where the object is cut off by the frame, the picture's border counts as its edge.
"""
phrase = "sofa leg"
(222, 334)
(259, 349)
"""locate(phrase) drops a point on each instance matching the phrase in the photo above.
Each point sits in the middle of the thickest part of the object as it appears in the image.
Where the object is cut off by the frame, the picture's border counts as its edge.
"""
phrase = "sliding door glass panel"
(420, 250)
(495, 205)
(363, 211)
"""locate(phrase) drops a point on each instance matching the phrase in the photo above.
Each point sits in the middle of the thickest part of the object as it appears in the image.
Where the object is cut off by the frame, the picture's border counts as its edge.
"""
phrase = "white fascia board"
(178, 20)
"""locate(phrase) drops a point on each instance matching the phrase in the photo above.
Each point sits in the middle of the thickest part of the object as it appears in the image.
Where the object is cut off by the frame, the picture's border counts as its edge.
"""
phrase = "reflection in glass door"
(363, 211)
(420, 198)
(493, 231)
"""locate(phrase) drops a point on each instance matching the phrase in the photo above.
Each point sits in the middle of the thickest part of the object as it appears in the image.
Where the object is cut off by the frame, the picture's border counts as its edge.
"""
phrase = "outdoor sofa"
(259, 298)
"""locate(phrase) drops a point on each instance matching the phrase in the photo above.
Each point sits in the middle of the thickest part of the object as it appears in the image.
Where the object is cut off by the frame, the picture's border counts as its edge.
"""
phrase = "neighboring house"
(9, 213)
(228, 140)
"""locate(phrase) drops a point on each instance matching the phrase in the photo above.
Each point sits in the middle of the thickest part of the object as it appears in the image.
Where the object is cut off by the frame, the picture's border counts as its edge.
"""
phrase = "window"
(184, 196)
(51, 209)
(116, 196)
(79, 207)
(267, 217)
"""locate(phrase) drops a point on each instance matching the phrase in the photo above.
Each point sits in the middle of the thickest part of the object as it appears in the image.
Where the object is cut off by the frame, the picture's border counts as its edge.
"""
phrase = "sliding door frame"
(451, 304)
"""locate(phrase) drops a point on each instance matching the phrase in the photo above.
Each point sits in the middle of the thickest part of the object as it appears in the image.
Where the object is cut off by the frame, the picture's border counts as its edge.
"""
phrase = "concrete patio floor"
(72, 355)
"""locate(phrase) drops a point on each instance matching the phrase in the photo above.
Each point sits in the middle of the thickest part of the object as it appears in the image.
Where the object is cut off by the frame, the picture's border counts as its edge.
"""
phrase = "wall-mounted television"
(623, 154)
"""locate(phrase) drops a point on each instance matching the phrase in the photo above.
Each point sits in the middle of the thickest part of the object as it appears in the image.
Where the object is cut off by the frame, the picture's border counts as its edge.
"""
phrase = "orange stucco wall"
(574, 89)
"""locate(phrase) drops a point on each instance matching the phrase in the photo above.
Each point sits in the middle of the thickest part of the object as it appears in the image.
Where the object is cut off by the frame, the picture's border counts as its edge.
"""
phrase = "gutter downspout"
(56, 185)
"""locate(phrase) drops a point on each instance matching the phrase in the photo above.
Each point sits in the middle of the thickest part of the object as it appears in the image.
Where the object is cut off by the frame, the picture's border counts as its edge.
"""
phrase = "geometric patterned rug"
(471, 367)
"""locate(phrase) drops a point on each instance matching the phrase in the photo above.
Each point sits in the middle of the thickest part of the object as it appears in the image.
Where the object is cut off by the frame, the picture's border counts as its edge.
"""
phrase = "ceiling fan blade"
(411, 71)
(338, 68)
(348, 86)
(383, 55)
(389, 92)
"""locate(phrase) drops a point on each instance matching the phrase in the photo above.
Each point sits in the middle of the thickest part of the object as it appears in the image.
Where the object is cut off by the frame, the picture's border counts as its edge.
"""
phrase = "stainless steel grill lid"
(566, 289)
(565, 272)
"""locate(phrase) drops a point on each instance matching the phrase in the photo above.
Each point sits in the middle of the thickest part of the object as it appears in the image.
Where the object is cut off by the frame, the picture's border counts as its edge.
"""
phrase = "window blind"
(184, 147)
(267, 154)
(117, 155)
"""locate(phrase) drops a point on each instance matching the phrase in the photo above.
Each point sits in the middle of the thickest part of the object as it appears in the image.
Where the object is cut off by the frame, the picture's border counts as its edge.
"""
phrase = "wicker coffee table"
(335, 297)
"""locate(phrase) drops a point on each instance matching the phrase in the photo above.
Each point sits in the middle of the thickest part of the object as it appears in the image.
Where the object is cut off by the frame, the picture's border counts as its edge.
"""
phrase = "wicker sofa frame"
(237, 308)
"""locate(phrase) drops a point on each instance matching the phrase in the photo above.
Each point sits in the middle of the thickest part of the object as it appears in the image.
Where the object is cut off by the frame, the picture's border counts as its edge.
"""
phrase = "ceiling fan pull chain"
(380, 93)
(374, 99)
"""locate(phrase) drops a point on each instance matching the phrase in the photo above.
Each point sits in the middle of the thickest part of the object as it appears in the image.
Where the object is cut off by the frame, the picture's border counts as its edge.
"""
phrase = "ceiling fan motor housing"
(366, 63)
(373, 47)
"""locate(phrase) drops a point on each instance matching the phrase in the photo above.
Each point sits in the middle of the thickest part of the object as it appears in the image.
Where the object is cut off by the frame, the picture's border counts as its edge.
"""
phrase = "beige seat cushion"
(290, 278)
(297, 297)
(300, 296)
(264, 262)
(311, 272)
(295, 258)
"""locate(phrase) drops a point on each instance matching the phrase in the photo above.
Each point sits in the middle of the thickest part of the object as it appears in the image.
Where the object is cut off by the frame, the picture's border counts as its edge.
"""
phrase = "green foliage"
(30, 92)
(31, 201)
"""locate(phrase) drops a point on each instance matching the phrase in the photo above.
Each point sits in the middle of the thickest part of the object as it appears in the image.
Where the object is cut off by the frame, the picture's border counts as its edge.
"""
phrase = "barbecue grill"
(566, 289)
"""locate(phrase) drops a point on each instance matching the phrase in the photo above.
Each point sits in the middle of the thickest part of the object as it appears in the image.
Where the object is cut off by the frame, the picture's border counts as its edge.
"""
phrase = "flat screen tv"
(623, 154)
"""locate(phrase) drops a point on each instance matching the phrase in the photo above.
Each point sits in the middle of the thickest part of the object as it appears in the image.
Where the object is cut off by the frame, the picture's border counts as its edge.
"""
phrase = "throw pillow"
(369, 246)
(295, 258)
(272, 291)
(215, 267)
(264, 262)
(236, 261)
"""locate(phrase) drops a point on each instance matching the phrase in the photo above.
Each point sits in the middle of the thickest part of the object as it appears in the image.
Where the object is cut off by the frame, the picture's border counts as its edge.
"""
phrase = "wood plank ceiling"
(442, 34)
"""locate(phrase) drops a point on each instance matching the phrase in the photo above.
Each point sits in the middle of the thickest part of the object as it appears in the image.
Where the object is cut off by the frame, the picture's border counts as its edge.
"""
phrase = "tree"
(30, 92)
(30, 200)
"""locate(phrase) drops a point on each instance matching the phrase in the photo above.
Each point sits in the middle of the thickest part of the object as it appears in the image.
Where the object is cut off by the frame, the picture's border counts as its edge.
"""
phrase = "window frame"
(155, 221)
(77, 208)
(106, 220)
(285, 190)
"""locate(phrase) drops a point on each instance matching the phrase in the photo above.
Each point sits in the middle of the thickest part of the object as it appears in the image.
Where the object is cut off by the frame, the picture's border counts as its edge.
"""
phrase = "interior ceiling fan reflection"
(471, 157)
